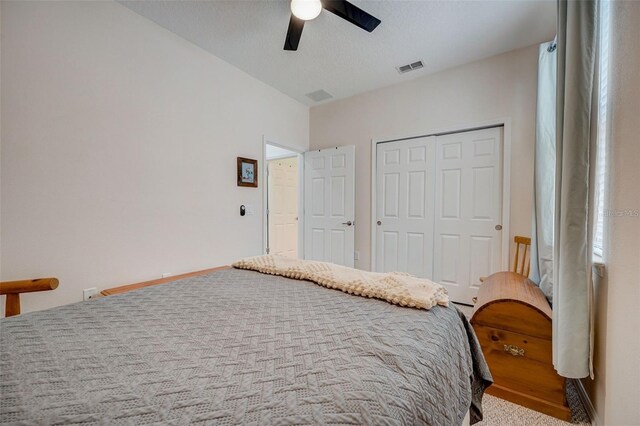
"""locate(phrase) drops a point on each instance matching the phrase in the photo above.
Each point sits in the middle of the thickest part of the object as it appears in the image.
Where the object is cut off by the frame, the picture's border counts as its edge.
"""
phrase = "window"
(601, 158)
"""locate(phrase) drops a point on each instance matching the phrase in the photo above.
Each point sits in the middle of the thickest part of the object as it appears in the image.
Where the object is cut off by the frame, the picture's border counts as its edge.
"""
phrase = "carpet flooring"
(498, 412)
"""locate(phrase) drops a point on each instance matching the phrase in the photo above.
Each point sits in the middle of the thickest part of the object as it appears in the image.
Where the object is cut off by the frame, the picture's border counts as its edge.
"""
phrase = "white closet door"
(468, 222)
(283, 207)
(329, 205)
(404, 206)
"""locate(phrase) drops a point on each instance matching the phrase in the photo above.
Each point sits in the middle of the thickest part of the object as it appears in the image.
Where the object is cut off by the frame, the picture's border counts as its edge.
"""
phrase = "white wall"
(498, 87)
(119, 149)
(615, 393)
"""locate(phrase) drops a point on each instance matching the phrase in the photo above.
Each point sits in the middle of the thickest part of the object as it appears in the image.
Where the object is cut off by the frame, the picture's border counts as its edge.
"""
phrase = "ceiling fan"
(306, 10)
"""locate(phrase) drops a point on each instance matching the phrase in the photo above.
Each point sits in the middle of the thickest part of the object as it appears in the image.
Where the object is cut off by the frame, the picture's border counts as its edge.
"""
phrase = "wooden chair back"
(12, 290)
(522, 259)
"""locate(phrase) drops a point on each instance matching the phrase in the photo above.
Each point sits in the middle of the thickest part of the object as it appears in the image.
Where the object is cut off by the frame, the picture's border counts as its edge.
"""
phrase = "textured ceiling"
(339, 57)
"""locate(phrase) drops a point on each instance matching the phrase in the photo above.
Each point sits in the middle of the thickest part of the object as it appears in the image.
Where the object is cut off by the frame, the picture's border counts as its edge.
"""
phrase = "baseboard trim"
(586, 402)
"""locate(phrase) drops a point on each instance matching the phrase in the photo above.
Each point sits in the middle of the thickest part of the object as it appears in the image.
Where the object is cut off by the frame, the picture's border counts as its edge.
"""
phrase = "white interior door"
(405, 182)
(283, 206)
(329, 205)
(468, 213)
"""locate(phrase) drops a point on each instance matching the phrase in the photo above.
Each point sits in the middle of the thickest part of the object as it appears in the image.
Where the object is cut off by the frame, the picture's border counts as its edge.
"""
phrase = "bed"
(240, 347)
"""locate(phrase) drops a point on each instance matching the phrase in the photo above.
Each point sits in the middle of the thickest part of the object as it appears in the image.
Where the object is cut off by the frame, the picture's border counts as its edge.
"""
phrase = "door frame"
(505, 123)
(265, 221)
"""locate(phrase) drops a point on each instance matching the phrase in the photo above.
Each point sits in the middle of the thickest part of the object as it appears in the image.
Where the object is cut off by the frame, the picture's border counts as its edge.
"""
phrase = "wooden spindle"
(12, 290)
(12, 306)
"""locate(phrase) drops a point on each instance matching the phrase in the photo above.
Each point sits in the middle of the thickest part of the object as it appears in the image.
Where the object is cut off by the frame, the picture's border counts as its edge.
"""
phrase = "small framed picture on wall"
(247, 172)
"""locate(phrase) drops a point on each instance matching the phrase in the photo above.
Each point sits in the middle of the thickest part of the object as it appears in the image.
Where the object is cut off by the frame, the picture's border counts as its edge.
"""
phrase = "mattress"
(239, 347)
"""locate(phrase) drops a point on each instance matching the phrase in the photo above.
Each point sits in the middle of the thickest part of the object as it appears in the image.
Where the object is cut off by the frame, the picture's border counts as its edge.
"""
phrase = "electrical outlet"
(166, 274)
(89, 293)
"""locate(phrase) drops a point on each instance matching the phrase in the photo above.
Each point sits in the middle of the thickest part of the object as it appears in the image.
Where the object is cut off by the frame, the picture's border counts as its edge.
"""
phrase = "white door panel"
(329, 178)
(438, 201)
(468, 209)
(283, 206)
(404, 211)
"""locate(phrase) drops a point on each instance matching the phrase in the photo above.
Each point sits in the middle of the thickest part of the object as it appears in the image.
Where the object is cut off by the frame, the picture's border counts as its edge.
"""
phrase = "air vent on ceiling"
(319, 95)
(410, 67)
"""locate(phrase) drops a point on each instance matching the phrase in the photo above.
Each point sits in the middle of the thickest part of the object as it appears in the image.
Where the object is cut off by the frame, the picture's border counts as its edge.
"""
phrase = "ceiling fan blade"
(352, 13)
(293, 33)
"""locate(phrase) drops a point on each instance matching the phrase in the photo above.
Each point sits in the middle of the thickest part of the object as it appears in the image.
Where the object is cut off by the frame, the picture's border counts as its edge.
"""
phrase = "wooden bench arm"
(13, 289)
(28, 286)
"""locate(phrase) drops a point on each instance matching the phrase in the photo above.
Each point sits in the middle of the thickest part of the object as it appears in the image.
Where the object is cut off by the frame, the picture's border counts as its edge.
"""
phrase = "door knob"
(498, 227)
(379, 222)
(348, 223)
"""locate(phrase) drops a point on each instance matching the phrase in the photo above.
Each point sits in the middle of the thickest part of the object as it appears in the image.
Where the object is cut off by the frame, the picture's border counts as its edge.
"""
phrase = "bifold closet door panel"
(468, 210)
(404, 206)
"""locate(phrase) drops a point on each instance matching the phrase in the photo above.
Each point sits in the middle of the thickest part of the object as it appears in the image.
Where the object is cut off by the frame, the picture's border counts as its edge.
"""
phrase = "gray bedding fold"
(239, 347)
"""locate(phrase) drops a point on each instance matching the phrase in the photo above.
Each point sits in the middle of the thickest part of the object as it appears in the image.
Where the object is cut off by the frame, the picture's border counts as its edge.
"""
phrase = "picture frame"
(247, 172)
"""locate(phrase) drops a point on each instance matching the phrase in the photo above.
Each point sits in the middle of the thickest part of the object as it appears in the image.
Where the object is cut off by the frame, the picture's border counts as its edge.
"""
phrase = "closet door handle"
(348, 223)
(379, 222)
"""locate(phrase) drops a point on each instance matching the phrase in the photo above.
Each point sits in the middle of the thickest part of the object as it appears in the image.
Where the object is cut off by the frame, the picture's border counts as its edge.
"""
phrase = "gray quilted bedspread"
(238, 347)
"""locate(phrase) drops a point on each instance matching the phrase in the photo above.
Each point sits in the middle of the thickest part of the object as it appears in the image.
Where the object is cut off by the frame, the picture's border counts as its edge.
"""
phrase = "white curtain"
(544, 172)
(576, 131)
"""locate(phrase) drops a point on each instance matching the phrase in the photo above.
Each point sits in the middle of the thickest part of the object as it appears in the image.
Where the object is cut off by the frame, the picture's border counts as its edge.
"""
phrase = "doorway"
(282, 200)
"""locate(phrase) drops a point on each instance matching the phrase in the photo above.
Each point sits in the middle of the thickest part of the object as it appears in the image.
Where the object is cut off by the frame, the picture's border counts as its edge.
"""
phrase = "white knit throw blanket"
(395, 287)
